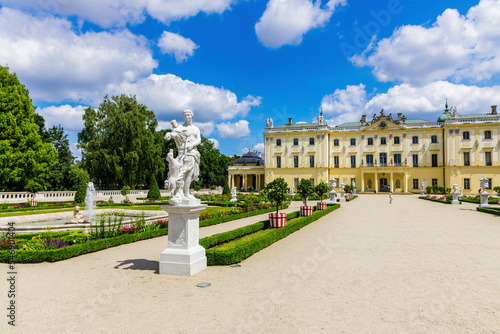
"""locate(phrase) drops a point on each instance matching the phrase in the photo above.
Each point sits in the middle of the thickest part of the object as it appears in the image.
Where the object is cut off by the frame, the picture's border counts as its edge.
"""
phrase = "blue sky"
(238, 62)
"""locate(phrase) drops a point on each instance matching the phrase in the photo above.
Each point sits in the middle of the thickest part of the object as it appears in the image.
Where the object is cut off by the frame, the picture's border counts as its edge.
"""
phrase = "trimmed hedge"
(223, 219)
(476, 200)
(493, 211)
(230, 204)
(240, 249)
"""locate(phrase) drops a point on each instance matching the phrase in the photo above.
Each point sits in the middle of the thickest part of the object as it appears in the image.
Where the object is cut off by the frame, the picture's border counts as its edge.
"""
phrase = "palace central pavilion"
(379, 154)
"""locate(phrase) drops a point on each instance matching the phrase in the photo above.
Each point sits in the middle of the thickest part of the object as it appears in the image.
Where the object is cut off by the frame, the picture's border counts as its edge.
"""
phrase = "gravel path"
(413, 266)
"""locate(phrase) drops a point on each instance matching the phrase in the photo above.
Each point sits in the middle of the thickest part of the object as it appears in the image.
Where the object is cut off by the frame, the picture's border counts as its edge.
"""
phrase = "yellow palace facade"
(383, 153)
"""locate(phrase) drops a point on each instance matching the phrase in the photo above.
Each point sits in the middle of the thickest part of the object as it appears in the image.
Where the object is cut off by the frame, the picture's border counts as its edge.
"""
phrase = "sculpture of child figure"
(174, 183)
(77, 216)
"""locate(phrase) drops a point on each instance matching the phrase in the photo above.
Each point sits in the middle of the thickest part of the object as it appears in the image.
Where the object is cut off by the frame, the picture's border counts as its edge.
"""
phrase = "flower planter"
(277, 220)
(306, 211)
(321, 205)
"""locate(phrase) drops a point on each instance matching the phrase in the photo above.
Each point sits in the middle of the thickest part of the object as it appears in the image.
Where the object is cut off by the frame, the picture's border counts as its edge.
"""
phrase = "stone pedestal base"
(342, 196)
(455, 199)
(333, 197)
(184, 256)
(484, 201)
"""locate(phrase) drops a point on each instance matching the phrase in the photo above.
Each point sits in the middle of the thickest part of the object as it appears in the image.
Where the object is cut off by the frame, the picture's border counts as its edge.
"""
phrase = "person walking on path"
(390, 197)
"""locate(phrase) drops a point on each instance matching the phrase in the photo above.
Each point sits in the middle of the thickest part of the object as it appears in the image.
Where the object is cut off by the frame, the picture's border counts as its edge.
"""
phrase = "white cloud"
(233, 130)
(455, 47)
(58, 64)
(167, 95)
(347, 105)
(214, 141)
(108, 13)
(182, 48)
(286, 21)
(260, 148)
(70, 118)
(77, 153)
(206, 128)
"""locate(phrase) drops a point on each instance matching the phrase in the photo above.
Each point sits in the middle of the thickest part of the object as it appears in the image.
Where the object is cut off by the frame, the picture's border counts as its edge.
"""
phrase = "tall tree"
(60, 177)
(25, 160)
(119, 144)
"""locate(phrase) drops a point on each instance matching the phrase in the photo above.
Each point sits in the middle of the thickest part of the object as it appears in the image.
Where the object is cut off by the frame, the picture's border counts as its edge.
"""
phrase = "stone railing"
(62, 196)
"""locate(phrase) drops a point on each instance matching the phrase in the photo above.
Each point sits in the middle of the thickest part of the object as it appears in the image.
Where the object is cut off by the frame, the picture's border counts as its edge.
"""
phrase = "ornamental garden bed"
(476, 199)
(56, 246)
(439, 199)
(236, 245)
(348, 197)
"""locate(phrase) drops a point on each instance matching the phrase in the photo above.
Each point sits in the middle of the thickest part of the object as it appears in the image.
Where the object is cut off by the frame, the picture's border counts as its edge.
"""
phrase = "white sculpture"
(77, 216)
(483, 182)
(269, 122)
(321, 119)
(422, 192)
(333, 194)
(461, 193)
(342, 193)
(233, 195)
(455, 194)
(185, 168)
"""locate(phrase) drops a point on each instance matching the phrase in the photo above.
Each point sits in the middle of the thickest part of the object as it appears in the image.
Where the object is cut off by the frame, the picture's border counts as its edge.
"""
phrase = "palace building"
(380, 154)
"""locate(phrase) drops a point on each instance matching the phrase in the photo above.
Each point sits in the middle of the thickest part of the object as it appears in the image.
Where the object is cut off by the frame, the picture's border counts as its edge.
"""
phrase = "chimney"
(289, 121)
(493, 110)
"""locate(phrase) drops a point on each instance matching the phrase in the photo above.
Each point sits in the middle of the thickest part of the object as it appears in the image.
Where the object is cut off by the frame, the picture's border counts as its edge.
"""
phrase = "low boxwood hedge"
(494, 211)
(436, 200)
(250, 242)
(476, 200)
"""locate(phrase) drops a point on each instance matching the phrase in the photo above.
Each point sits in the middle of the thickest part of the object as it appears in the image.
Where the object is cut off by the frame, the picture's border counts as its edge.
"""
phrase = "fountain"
(89, 201)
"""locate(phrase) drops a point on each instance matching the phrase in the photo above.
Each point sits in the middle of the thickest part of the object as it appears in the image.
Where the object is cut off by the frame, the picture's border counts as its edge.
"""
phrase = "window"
(383, 159)
(490, 186)
(434, 139)
(415, 160)
(295, 141)
(369, 160)
(353, 141)
(278, 162)
(466, 159)
(414, 140)
(487, 134)
(487, 158)
(311, 141)
(434, 182)
(336, 161)
(353, 161)
(396, 140)
(295, 183)
(466, 183)
(370, 141)
(311, 161)
(383, 141)
(295, 161)
(415, 183)
(397, 159)
(335, 142)
(312, 181)
(465, 135)
(434, 159)
(278, 142)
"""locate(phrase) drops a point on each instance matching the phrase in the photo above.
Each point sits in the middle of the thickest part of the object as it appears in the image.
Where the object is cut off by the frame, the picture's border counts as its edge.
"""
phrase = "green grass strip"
(493, 211)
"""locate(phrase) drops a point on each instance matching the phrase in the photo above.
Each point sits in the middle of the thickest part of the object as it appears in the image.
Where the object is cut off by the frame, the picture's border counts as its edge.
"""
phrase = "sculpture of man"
(187, 137)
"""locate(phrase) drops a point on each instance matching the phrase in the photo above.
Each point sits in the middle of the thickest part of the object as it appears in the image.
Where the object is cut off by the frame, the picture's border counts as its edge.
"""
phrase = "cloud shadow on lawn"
(139, 264)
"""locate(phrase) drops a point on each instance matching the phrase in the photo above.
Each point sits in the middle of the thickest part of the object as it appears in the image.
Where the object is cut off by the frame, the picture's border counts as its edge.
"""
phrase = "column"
(392, 181)
(376, 181)
(406, 180)
(362, 181)
(244, 181)
(231, 181)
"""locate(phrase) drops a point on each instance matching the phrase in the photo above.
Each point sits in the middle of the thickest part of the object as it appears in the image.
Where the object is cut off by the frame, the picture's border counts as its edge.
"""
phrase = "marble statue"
(77, 216)
(455, 194)
(333, 194)
(269, 122)
(483, 196)
(233, 195)
(186, 166)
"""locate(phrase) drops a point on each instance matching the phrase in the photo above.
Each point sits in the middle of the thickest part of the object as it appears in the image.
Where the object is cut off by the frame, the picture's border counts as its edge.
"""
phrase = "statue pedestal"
(184, 256)
(333, 197)
(455, 198)
(342, 196)
(484, 200)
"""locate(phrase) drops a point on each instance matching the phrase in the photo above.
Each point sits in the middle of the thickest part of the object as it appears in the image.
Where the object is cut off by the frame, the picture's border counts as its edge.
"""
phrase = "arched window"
(335, 142)
(278, 142)
(311, 141)
(487, 134)
(353, 141)
(370, 141)
(295, 141)
(465, 135)
(414, 139)
(383, 141)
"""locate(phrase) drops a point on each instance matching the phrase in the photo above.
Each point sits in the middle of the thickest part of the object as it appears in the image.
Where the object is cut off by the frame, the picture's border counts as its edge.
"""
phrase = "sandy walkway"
(411, 267)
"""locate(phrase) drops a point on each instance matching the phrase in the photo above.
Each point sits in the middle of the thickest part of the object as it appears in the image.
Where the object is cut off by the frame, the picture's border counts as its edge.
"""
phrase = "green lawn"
(121, 207)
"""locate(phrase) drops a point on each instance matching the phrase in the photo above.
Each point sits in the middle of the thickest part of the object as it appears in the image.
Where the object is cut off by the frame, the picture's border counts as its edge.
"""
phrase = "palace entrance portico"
(384, 180)
(245, 180)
